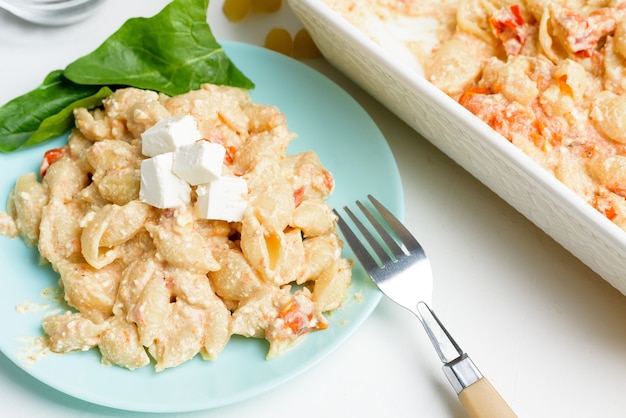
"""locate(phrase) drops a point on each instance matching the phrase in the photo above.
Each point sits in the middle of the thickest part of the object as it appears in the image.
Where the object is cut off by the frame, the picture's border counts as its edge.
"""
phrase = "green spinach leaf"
(172, 52)
(22, 116)
(57, 124)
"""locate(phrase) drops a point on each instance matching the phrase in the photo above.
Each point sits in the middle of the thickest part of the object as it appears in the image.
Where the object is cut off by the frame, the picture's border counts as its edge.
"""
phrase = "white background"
(548, 332)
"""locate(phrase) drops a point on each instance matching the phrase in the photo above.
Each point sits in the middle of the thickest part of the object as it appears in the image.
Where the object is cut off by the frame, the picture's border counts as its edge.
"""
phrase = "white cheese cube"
(200, 162)
(225, 199)
(160, 187)
(168, 134)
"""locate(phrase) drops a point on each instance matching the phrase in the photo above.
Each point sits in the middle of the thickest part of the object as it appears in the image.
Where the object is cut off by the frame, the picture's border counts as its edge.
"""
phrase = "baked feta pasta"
(549, 75)
(177, 222)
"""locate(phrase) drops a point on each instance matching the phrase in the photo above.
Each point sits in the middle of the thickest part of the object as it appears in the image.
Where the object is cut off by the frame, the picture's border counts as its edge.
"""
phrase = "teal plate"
(328, 121)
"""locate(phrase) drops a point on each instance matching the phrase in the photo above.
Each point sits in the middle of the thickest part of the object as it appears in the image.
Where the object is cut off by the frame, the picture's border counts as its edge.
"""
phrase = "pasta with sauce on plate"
(149, 284)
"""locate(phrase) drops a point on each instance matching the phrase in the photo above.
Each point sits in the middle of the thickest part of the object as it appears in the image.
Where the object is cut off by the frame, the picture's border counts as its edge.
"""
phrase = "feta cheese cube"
(225, 199)
(200, 162)
(160, 187)
(168, 134)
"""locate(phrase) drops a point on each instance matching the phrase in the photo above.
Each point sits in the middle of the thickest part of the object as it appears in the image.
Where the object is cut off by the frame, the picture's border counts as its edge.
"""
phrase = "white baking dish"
(506, 170)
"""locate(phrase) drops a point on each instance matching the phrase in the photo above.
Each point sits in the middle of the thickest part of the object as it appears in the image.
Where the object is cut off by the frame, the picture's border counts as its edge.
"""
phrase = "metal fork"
(403, 273)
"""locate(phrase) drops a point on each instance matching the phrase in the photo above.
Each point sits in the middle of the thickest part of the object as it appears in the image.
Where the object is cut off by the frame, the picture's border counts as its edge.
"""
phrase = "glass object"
(51, 12)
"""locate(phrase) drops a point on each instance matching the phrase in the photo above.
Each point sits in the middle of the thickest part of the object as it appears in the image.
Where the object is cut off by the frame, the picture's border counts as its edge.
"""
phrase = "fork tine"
(401, 231)
(389, 240)
(365, 258)
(371, 240)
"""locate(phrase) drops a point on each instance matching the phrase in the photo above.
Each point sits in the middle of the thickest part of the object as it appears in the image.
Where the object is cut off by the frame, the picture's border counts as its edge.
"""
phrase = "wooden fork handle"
(482, 400)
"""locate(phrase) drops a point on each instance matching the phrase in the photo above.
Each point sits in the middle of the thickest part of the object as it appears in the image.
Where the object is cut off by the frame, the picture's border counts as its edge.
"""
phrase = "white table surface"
(548, 332)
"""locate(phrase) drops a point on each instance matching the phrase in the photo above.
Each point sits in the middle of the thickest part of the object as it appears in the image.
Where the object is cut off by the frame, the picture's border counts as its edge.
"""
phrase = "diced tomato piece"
(469, 93)
(298, 195)
(509, 26)
(329, 182)
(50, 157)
(605, 207)
(230, 155)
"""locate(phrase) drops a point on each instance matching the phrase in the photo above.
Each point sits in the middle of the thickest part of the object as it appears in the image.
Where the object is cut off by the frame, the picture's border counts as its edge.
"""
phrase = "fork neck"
(447, 349)
(458, 367)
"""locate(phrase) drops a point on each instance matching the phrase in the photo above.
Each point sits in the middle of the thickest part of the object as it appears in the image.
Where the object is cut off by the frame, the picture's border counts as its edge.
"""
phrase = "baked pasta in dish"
(157, 268)
(549, 75)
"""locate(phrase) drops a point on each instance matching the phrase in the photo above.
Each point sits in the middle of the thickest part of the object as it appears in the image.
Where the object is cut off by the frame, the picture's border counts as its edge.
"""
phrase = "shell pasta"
(549, 76)
(149, 285)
